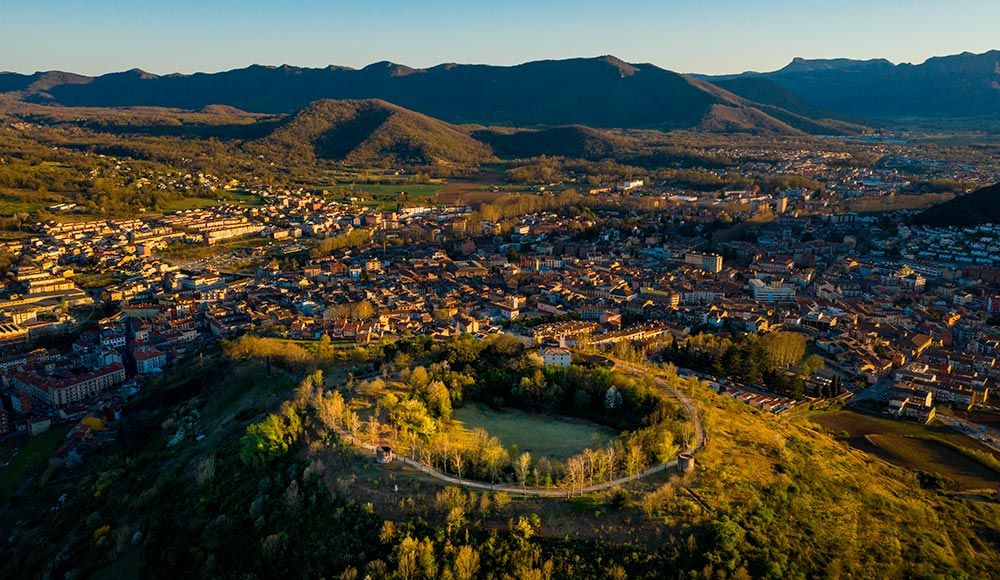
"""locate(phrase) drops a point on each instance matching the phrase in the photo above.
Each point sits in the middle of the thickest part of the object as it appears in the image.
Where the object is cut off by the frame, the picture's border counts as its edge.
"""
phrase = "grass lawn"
(383, 196)
(223, 197)
(90, 280)
(23, 201)
(913, 446)
(549, 436)
(185, 251)
(35, 449)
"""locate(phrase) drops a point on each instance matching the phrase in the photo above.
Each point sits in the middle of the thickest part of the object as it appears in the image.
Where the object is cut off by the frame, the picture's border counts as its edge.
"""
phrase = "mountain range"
(600, 92)
(811, 96)
(950, 87)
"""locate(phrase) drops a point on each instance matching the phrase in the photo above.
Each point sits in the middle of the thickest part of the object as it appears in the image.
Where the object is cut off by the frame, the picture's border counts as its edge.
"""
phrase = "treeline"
(291, 354)
(354, 238)
(414, 414)
(517, 205)
(774, 360)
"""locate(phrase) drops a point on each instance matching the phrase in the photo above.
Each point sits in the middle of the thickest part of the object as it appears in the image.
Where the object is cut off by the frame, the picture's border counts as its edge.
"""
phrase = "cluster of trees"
(351, 239)
(362, 310)
(831, 390)
(271, 437)
(249, 346)
(289, 353)
(774, 360)
(773, 184)
(516, 205)
(504, 372)
(414, 414)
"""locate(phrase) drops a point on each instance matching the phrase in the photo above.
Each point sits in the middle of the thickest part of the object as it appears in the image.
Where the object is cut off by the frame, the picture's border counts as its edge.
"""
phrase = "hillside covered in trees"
(979, 207)
(598, 92)
(370, 133)
(232, 468)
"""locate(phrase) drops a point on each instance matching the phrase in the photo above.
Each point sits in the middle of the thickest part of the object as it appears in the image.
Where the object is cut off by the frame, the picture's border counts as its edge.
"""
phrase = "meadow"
(551, 436)
(36, 450)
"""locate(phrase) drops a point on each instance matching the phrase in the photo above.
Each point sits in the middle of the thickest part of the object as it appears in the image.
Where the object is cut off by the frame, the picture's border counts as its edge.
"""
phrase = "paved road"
(696, 445)
(985, 435)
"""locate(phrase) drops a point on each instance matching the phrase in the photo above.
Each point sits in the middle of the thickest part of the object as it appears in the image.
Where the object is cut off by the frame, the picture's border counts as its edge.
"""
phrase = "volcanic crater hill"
(370, 132)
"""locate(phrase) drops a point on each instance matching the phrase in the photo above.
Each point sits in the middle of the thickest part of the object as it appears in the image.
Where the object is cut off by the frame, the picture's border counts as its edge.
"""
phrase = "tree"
(612, 398)
(406, 558)
(324, 351)
(329, 410)
(666, 448)
(411, 415)
(812, 364)
(634, 457)
(784, 349)
(574, 473)
(418, 378)
(522, 467)
(494, 456)
(458, 461)
(438, 400)
(466, 565)
(610, 457)
(271, 437)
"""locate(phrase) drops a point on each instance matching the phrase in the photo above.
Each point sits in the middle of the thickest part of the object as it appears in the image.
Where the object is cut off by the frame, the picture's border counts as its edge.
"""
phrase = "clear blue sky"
(708, 36)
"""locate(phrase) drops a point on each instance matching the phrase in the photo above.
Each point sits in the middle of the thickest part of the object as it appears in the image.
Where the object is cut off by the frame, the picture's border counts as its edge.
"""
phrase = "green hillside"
(370, 132)
(227, 469)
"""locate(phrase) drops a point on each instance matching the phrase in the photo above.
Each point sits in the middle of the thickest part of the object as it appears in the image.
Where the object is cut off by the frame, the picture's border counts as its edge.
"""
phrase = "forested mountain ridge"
(598, 92)
(951, 87)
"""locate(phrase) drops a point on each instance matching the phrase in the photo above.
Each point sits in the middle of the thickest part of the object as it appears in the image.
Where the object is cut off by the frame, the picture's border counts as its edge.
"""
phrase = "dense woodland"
(776, 359)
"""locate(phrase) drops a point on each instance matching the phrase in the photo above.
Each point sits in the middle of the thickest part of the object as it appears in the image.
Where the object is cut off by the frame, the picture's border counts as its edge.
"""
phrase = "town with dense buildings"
(344, 339)
(898, 313)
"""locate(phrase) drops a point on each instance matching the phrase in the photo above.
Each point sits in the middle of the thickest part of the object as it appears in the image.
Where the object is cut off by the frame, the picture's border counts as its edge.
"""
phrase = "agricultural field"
(385, 196)
(932, 456)
(225, 197)
(14, 202)
(35, 450)
(552, 436)
(185, 251)
(933, 448)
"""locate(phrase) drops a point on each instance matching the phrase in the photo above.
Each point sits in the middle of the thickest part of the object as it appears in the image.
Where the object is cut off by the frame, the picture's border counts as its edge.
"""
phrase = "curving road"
(696, 445)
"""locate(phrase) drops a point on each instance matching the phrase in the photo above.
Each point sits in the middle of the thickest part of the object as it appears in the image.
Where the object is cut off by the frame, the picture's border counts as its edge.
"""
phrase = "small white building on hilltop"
(559, 357)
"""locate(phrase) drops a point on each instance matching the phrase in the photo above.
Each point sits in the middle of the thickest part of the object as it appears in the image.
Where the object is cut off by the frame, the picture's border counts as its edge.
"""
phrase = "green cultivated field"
(385, 196)
(225, 197)
(549, 436)
(20, 201)
(36, 450)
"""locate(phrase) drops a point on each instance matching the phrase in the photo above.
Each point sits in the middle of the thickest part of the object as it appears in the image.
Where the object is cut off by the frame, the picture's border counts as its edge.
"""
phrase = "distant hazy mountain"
(370, 132)
(949, 87)
(598, 92)
(979, 207)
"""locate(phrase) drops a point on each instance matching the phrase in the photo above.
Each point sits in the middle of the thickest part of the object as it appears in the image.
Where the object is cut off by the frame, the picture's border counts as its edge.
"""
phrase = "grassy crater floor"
(551, 436)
